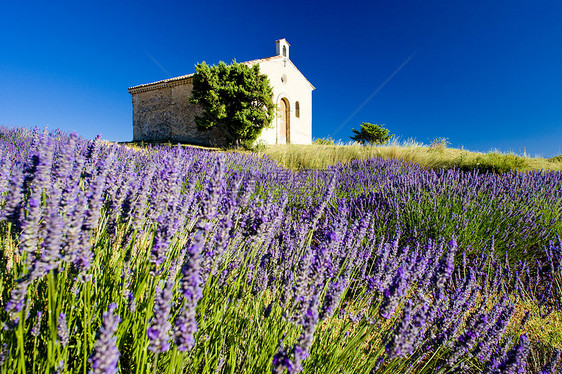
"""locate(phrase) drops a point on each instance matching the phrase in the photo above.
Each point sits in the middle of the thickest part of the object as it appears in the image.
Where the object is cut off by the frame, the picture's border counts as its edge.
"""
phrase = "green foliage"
(371, 134)
(235, 98)
(257, 146)
(324, 141)
(556, 159)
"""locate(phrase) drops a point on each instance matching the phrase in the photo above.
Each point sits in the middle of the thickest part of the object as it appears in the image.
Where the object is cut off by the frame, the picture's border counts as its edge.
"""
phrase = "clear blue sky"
(486, 75)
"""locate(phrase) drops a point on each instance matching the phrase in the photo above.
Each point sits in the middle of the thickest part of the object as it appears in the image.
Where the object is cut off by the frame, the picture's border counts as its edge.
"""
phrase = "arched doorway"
(283, 130)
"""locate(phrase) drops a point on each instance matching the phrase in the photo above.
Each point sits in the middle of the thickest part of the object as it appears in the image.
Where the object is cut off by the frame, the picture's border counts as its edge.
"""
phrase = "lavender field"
(172, 259)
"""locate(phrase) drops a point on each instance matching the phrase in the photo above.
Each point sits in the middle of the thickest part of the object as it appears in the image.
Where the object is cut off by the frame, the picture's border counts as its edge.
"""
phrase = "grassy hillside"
(299, 157)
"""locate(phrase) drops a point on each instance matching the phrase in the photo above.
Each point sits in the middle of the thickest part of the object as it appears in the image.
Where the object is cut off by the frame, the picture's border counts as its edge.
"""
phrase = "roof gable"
(170, 82)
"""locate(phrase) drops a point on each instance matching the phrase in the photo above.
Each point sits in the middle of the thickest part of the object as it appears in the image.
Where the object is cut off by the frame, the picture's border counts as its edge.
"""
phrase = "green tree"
(371, 133)
(235, 98)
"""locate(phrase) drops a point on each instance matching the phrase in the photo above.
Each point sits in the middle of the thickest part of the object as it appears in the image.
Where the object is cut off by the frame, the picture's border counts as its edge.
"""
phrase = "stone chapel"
(162, 111)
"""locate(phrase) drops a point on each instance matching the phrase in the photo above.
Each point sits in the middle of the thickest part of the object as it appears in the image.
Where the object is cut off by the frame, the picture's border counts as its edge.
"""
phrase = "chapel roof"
(178, 80)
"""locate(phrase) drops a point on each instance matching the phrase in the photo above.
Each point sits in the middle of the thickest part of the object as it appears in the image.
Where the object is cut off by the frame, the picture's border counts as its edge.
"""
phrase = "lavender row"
(174, 259)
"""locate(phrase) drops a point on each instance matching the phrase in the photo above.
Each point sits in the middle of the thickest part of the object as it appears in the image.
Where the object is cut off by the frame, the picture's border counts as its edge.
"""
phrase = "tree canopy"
(236, 98)
(371, 133)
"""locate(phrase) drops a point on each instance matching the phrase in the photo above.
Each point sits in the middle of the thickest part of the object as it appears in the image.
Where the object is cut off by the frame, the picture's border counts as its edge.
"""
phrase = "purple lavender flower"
(4, 353)
(261, 275)
(62, 330)
(446, 266)
(456, 306)
(515, 360)
(159, 329)
(83, 252)
(95, 194)
(332, 298)
(141, 196)
(387, 263)
(378, 364)
(309, 324)
(59, 367)
(50, 256)
(76, 240)
(105, 356)
(212, 193)
(393, 294)
(6, 165)
(37, 177)
(318, 210)
(13, 201)
(412, 329)
(131, 302)
(161, 243)
(466, 341)
(400, 344)
(300, 351)
(191, 289)
(36, 330)
(495, 333)
(282, 361)
(17, 299)
(302, 289)
(185, 328)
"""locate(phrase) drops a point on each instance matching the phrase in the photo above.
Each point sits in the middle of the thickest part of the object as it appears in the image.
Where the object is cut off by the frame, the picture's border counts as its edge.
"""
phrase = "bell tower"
(282, 48)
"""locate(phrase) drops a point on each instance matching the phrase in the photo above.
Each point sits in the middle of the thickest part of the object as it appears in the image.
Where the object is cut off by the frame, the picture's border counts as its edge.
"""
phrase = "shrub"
(439, 143)
(324, 141)
(371, 134)
(556, 159)
(235, 98)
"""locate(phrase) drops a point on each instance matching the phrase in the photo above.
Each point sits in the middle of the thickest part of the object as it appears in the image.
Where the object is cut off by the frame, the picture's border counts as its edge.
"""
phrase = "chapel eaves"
(175, 81)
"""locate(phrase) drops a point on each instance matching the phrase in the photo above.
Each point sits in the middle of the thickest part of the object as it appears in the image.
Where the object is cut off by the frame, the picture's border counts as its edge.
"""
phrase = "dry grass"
(298, 157)
(544, 329)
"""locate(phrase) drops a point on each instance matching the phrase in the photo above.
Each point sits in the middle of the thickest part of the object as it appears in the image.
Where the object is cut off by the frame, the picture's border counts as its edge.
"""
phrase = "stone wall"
(165, 114)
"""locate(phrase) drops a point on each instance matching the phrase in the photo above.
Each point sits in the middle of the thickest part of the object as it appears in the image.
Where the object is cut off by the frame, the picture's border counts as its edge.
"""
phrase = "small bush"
(371, 134)
(324, 141)
(556, 159)
(439, 143)
(257, 146)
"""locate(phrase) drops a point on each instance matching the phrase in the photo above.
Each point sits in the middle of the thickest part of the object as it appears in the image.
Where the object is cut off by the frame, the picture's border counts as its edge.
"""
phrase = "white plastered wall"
(294, 87)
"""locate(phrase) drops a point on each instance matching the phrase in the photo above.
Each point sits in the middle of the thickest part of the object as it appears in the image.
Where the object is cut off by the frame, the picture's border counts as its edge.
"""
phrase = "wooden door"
(283, 129)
